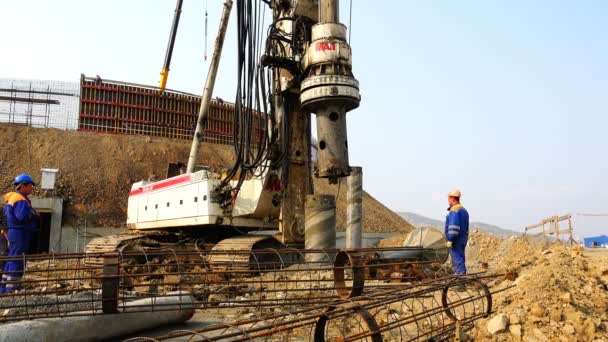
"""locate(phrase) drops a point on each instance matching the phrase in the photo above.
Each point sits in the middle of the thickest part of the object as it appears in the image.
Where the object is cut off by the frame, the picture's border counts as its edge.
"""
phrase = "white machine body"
(186, 201)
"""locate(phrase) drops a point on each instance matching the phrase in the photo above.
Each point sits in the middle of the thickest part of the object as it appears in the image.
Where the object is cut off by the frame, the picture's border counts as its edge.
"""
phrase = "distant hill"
(418, 220)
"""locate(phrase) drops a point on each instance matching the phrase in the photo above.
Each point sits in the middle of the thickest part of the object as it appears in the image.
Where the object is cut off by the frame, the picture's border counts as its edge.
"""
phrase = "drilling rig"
(302, 67)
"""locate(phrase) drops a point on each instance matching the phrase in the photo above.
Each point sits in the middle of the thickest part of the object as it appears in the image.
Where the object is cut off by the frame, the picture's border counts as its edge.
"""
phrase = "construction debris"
(560, 293)
(498, 324)
(552, 291)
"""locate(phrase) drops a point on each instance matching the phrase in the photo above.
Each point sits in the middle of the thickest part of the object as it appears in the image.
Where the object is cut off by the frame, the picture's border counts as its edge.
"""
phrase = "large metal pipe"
(164, 74)
(209, 84)
(320, 227)
(329, 11)
(332, 152)
(330, 91)
(175, 308)
(354, 208)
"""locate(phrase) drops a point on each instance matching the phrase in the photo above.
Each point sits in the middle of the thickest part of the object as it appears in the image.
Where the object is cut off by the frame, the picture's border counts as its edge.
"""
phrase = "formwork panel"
(125, 108)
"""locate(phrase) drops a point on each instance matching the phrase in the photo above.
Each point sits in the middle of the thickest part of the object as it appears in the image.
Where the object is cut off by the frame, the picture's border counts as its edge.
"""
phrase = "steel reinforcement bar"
(432, 310)
(78, 284)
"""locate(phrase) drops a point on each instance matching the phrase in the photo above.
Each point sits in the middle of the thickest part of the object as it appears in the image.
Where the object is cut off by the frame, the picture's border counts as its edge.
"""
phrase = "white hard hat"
(455, 193)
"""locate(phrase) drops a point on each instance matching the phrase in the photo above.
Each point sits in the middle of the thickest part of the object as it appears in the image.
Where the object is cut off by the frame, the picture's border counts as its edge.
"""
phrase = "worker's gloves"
(449, 244)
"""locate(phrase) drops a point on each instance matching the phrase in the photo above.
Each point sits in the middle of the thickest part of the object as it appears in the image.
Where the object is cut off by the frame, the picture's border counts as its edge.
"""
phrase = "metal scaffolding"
(115, 107)
(40, 104)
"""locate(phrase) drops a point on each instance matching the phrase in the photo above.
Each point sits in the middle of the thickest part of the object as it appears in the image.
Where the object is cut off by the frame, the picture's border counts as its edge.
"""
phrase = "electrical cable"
(252, 123)
(260, 142)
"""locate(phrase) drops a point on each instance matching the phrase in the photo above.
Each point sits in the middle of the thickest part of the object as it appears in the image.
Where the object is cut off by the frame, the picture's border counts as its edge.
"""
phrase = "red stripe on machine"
(161, 185)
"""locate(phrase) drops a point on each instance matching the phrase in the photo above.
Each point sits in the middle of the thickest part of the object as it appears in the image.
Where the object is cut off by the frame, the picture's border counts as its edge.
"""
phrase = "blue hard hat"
(23, 179)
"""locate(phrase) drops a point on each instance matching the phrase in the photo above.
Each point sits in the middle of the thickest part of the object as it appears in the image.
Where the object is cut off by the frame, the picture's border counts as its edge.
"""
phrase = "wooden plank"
(534, 226)
(560, 232)
(550, 220)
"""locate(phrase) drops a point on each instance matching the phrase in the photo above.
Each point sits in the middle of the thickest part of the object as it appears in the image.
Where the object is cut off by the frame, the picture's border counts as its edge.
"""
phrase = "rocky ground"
(556, 292)
(560, 293)
(559, 296)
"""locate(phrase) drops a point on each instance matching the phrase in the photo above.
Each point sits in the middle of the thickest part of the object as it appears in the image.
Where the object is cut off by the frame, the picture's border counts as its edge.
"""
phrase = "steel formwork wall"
(126, 108)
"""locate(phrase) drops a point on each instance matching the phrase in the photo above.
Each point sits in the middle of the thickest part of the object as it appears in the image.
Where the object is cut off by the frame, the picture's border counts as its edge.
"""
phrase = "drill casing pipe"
(320, 227)
(330, 91)
(354, 208)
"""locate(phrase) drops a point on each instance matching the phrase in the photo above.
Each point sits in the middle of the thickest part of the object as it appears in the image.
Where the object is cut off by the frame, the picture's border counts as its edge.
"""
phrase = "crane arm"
(164, 73)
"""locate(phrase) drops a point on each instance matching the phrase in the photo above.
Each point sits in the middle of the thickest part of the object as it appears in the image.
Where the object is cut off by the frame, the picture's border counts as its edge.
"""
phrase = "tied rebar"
(431, 310)
(364, 294)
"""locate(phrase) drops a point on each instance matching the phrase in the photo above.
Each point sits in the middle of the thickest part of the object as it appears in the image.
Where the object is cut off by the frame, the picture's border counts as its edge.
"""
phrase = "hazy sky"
(506, 100)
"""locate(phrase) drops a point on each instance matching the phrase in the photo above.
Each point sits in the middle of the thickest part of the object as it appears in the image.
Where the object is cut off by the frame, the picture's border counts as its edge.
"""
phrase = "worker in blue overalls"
(3, 238)
(457, 231)
(22, 221)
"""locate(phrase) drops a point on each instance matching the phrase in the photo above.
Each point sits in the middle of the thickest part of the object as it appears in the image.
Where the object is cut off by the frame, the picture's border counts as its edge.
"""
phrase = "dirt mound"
(560, 293)
(97, 171)
(376, 217)
(554, 292)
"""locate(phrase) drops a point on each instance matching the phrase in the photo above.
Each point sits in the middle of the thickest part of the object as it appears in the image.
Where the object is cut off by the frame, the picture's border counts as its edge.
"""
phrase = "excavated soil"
(557, 292)
(97, 171)
(560, 294)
